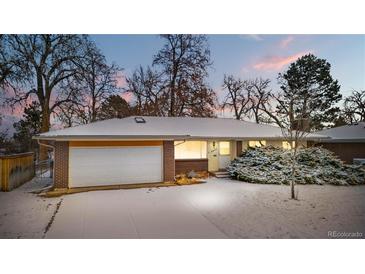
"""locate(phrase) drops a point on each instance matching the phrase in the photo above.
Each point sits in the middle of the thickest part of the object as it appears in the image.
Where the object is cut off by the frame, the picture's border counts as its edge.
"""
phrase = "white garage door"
(100, 166)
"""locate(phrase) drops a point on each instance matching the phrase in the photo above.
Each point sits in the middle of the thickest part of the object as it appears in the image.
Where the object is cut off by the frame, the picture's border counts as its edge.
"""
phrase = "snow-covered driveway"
(218, 209)
(137, 213)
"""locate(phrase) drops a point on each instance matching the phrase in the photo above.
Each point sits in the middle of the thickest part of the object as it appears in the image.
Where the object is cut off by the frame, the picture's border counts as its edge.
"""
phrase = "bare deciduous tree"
(294, 126)
(147, 87)
(71, 114)
(238, 98)
(175, 85)
(354, 107)
(45, 62)
(5, 64)
(261, 100)
(95, 79)
(184, 61)
(250, 98)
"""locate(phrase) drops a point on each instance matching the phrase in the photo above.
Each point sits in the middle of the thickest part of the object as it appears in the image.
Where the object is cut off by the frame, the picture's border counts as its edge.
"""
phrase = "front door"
(213, 164)
(219, 155)
(224, 154)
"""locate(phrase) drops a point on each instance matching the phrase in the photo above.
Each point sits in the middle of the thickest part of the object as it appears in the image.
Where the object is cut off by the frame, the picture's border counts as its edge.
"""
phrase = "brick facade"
(345, 151)
(61, 161)
(61, 165)
(168, 161)
(187, 165)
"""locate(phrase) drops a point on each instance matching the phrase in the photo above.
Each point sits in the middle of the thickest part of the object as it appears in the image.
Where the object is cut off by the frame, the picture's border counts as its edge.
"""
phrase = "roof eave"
(108, 137)
(334, 140)
(163, 137)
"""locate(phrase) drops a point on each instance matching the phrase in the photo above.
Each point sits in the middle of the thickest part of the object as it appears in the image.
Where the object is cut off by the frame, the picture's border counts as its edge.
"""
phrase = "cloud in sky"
(275, 63)
(121, 81)
(286, 41)
(256, 37)
(128, 96)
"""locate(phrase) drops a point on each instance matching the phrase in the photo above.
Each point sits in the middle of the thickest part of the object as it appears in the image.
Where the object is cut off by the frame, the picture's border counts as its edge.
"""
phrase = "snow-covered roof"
(169, 128)
(347, 133)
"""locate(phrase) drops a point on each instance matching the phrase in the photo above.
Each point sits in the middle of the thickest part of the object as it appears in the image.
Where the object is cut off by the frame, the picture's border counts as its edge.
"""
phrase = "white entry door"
(212, 152)
(224, 154)
(98, 166)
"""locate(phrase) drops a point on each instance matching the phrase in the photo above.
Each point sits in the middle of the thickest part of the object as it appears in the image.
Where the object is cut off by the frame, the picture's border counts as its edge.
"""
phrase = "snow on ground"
(223, 207)
(243, 210)
(24, 214)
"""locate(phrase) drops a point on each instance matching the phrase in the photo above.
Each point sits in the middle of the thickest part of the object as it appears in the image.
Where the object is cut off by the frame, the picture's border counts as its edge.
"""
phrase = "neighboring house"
(151, 149)
(348, 141)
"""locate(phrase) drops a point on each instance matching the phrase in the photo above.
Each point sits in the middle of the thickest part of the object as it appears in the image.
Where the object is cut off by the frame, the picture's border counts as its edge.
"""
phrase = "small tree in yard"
(306, 102)
(294, 132)
(292, 118)
(294, 129)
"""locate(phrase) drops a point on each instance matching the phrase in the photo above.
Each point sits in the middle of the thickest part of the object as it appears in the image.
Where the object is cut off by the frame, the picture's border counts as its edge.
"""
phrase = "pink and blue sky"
(248, 56)
(244, 56)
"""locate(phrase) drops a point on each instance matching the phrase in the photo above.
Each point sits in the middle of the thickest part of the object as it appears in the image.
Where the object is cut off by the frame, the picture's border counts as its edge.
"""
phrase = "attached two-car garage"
(114, 164)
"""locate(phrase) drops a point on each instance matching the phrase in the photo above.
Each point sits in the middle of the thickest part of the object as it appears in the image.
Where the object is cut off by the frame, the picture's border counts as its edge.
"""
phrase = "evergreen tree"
(27, 127)
(316, 93)
(114, 107)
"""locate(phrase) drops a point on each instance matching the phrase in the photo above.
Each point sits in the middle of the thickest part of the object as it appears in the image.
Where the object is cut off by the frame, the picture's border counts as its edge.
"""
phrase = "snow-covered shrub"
(315, 165)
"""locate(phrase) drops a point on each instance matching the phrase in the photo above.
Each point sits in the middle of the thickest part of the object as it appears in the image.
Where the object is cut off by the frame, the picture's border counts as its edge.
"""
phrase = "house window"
(261, 143)
(286, 145)
(224, 148)
(190, 150)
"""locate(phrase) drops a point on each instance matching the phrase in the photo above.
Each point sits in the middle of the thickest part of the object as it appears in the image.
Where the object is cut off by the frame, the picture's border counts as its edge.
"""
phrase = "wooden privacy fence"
(15, 170)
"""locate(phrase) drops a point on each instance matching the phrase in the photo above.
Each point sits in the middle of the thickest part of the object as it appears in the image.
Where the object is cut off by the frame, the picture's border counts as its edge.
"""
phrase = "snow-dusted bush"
(315, 165)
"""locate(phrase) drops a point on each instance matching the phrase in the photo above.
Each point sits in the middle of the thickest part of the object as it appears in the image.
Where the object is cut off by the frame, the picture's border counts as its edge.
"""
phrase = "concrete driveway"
(137, 213)
(221, 208)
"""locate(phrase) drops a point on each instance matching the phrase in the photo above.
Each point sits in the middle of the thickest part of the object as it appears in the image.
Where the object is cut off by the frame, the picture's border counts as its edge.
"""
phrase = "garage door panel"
(119, 165)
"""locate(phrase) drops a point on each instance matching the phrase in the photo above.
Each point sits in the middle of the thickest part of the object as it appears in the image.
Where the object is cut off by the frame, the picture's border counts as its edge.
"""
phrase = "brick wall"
(187, 165)
(168, 161)
(345, 151)
(61, 165)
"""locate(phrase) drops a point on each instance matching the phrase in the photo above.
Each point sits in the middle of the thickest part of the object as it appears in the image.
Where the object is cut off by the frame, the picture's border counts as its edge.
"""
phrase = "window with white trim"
(224, 148)
(190, 149)
(287, 145)
(261, 143)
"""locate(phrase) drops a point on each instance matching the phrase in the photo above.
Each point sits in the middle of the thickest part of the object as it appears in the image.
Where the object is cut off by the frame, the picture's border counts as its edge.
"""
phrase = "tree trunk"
(256, 116)
(292, 189)
(172, 103)
(292, 182)
(93, 111)
(43, 151)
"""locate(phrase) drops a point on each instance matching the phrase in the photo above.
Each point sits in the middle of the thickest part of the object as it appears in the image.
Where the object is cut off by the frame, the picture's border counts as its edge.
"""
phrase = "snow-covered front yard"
(221, 208)
(24, 214)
